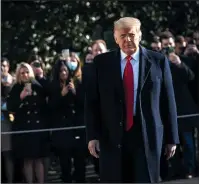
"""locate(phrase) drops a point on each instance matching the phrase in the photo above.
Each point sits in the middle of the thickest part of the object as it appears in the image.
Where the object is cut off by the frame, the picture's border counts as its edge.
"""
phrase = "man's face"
(128, 39)
(89, 58)
(156, 46)
(36, 66)
(168, 43)
(196, 37)
(4, 67)
(188, 39)
(180, 47)
(98, 48)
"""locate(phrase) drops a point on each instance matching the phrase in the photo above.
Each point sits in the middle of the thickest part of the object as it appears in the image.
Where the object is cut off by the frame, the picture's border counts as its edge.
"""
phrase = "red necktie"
(128, 81)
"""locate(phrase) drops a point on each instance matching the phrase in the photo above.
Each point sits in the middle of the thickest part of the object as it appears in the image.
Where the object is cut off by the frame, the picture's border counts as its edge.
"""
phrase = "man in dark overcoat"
(130, 108)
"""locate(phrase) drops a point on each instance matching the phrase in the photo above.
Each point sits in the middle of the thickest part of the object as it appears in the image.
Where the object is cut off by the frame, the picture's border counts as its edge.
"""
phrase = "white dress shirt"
(135, 64)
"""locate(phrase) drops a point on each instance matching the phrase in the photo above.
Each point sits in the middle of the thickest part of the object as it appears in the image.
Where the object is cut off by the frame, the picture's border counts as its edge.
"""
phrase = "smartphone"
(171, 50)
(4, 79)
(37, 64)
(166, 51)
(28, 87)
(65, 53)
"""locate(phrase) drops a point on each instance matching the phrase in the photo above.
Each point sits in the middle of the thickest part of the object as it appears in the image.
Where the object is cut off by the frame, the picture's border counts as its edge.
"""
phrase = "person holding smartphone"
(66, 103)
(38, 69)
(27, 101)
(61, 103)
(182, 75)
(36, 63)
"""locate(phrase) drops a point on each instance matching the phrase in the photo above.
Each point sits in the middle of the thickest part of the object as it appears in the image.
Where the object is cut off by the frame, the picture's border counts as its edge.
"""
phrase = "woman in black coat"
(27, 101)
(38, 69)
(63, 110)
(81, 150)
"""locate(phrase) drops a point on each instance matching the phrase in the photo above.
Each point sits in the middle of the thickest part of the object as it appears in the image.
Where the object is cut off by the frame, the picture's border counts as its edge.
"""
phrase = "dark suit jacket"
(193, 63)
(182, 75)
(105, 110)
(62, 115)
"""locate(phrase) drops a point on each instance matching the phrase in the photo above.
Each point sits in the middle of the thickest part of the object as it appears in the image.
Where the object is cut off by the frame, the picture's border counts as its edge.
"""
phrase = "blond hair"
(127, 22)
(24, 65)
(98, 42)
(78, 71)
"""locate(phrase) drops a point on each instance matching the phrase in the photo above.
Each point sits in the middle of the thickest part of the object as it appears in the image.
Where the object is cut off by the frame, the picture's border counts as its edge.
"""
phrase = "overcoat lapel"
(145, 67)
(118, 75)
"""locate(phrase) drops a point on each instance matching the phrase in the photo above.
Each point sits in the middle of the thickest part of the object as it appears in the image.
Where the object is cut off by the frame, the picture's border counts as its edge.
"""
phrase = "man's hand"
(170, 150)
(92, 147)
(191, 49)
(175, 59)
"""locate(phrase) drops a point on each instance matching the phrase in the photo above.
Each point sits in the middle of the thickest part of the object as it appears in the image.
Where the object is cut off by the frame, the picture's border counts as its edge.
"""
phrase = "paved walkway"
(185, 181)
(91, 177)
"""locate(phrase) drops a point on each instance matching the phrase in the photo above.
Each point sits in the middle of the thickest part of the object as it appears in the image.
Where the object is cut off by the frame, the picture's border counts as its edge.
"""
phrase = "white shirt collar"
(135, 56)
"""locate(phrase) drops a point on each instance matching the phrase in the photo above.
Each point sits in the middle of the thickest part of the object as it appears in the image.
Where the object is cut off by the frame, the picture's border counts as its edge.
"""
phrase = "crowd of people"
(32, 101)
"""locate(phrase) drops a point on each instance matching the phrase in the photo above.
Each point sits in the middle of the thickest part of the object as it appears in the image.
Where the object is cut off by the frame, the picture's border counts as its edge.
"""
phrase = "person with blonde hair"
(28, 104)
(98, 47)
(130, 107)
(75, 66)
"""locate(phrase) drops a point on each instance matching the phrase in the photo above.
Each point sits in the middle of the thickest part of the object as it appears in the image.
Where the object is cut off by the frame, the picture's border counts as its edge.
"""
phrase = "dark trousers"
(96, 164)
(134, 165)
(189, 152)
(65, 158)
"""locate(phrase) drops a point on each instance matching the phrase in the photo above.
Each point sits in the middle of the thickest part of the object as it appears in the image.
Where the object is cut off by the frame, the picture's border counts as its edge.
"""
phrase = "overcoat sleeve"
(168, 106)
(92, 103)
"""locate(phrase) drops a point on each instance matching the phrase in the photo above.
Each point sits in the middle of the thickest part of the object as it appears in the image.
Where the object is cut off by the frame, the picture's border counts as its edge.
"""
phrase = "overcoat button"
(119, 146)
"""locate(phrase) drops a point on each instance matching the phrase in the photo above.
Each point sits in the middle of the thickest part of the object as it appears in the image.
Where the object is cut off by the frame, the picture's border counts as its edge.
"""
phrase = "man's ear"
(140, 36)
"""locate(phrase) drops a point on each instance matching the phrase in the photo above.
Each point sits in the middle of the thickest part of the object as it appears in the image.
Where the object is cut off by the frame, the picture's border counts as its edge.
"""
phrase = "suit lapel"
(118, 75)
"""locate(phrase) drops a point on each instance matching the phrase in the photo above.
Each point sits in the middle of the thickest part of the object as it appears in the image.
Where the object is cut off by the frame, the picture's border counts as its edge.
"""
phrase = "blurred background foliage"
(47, 27)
